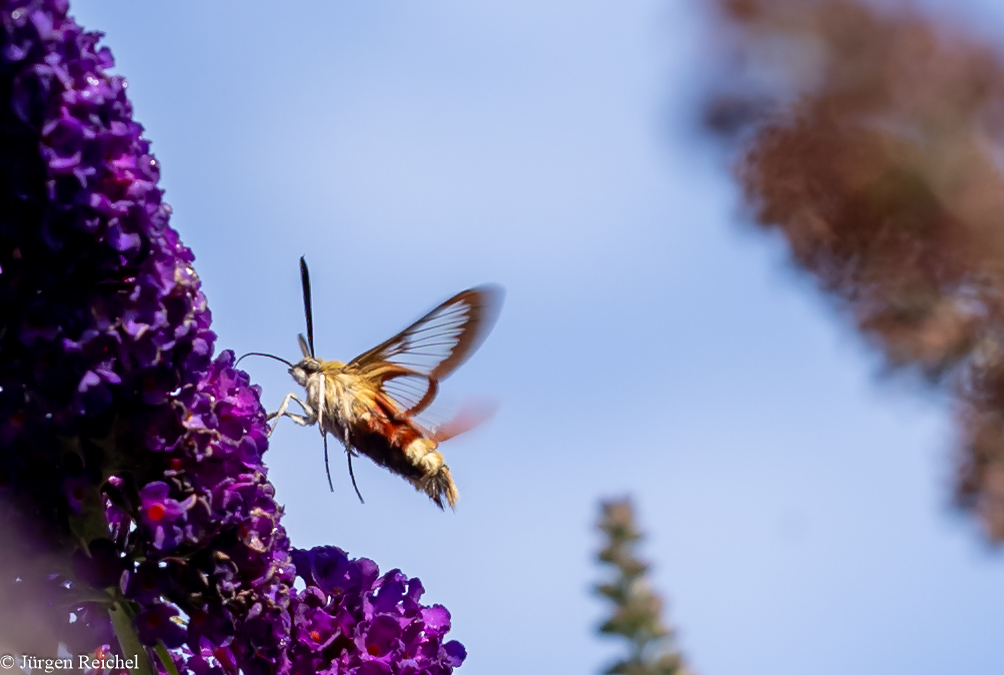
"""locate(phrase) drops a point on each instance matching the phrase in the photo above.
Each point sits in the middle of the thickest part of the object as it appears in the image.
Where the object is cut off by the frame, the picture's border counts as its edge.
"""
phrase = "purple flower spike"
(121, 439)
(373, 624)
(131, 458)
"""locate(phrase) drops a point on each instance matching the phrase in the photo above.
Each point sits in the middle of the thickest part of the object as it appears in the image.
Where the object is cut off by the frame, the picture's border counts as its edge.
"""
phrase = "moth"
(370, 403)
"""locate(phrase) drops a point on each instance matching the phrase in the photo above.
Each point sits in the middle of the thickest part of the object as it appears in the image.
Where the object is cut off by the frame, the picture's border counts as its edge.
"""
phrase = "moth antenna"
(308, 312)
(327, 467)
(271, 356)
(353, 477)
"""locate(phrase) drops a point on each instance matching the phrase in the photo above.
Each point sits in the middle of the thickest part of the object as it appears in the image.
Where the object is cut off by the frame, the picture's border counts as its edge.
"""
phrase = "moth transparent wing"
(440, 341)
(410, 364)
(411, 393)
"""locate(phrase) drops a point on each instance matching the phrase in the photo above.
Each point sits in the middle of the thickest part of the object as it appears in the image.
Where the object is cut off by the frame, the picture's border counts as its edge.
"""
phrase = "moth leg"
(279, 413)
(348, 446)
(349, 452)
(303, 420)
(352, 475)
(320, 410)
(327, 467)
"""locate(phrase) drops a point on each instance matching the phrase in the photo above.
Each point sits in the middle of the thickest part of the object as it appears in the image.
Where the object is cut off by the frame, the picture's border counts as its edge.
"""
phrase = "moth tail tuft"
(435, 479)
(439, 485)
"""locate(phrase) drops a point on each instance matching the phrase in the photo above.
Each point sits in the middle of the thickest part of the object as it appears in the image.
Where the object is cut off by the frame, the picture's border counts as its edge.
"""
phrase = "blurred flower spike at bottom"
(637, 609)
(135, 509)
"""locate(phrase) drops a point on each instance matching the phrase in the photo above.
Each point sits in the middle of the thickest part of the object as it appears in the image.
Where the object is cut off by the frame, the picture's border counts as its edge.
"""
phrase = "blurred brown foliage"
(637, 609)
(872, 142)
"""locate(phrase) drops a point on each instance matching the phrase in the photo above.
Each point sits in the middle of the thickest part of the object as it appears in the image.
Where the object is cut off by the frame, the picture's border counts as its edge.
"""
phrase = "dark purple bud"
(103, 567)
(158, 623)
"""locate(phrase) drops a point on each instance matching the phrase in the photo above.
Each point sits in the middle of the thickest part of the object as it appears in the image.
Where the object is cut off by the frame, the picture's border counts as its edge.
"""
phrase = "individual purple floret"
(351, 620)
(164, 517)
(131, 472)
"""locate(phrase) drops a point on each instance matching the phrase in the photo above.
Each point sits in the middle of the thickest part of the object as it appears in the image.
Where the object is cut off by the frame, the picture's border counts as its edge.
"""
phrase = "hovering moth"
(370, 404)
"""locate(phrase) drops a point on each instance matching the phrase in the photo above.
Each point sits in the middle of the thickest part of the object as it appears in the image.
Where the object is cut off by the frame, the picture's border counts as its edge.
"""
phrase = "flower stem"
(129, 641)
(165, 658)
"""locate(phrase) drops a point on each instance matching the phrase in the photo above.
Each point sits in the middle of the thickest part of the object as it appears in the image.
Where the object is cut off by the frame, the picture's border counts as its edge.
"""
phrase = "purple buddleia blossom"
(351, 620)
(124, 446)
(131, 470)
(163, 517)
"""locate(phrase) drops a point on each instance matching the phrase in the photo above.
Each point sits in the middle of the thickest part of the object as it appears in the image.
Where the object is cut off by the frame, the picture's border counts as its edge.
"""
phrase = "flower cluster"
(351, 620)
(214, 507)
(124, 445)
(132, 488)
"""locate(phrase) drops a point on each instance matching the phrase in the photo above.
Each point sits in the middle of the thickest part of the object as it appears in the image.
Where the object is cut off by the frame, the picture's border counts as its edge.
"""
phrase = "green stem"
(129, 641)
(165, 658)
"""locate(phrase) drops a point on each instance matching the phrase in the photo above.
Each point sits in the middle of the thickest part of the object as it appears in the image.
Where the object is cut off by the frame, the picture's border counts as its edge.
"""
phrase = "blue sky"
(798, 506)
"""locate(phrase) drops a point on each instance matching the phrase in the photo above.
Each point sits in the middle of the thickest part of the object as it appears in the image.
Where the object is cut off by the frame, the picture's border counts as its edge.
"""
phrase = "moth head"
(304, 370)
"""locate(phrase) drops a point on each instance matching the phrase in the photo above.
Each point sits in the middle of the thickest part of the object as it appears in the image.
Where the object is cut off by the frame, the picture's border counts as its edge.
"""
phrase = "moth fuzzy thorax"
(370, 404)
